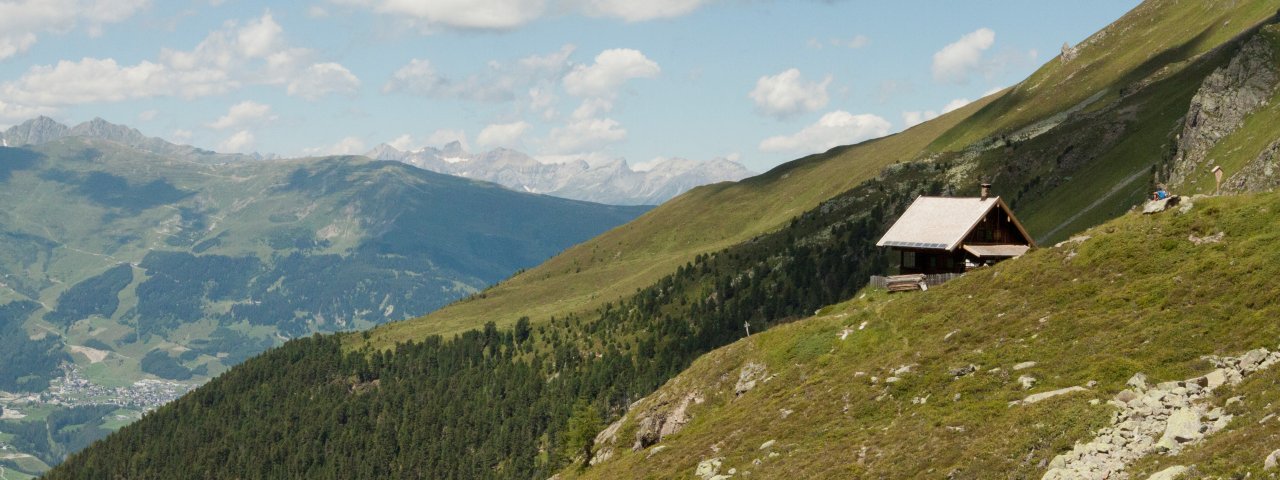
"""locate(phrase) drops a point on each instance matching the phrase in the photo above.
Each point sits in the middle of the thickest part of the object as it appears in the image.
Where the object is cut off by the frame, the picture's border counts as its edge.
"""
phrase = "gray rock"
(709, 468)
(1168, 473)
(1251, 360)
(1047, 395)
(1138, 381)
(1270, 462)
(751, 373)
(1024, 366)
(1183, 426)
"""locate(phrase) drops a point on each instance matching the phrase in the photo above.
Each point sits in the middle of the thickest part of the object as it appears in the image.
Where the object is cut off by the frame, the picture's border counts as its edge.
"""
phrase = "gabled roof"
(941, 223)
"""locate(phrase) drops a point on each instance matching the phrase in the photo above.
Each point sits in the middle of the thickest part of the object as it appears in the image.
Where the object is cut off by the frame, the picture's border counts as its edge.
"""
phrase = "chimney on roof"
(986, 190)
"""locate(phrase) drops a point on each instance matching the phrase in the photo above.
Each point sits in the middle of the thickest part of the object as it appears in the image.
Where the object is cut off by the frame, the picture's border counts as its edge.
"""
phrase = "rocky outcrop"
(751, 373)
(1262, 173)
(1162, 419)
(1221, 105)
(664, 419)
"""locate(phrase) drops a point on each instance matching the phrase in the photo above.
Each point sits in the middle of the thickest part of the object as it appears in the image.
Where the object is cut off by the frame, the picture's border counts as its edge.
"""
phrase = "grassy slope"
(1159, 47)
(706, 219)
(1156, 34)
(1137, 297)
(1154, 42)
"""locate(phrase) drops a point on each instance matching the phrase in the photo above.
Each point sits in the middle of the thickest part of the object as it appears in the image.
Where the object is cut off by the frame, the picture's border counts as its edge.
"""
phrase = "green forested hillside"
(568, 346)
(131, 265)
(495, 403)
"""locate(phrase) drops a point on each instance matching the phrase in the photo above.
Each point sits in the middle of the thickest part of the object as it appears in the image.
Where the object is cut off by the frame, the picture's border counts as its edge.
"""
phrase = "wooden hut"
(938, 235)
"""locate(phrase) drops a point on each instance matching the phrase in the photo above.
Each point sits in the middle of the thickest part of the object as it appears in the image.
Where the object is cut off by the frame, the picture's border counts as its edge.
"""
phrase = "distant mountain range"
(41, 130)
(124, 258)
(611, 181)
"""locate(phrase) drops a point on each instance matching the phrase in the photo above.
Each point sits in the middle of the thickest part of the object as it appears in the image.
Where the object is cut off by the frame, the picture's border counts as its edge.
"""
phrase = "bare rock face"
(663, 419)
(1224, 100)
(1262, 173)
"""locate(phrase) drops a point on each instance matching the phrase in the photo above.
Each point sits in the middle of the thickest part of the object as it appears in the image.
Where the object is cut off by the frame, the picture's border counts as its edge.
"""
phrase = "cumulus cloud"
(446, 135)
(10, 113)
(403, 143)
(833, 129)
(243, 114)
(498, 15)
(787, 94)
(913, 118)
(638, 11)
(502, 134)
(147, 115)
(955, 104)
(239, 142)
(585, 135)
(457, 14)
(322, 79)
(958, 60)
(611, 69)
(346, 146)
(22, 20)
(498, 82)
(238, 54)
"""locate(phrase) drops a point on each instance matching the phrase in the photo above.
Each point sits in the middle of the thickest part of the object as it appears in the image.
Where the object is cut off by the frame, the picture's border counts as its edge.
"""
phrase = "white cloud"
(955, 104)
(239, 142)
(404, 143)
(787, 94)
(913, 118)
(346, 146)
(243, 114)
(543, 100)
(958, 60)
(22, 20)
(591, 108)
(638, 11)
(502, 134)
(497, 15)
(444, 136)
(430, 16)
(993, 91)
(833, 129)
(180, 136)
(497, 83)
(322, 79)
(584, 135)
(858, 41)
(10, 113)
(252, 53)
(612, 68)
(148, 115)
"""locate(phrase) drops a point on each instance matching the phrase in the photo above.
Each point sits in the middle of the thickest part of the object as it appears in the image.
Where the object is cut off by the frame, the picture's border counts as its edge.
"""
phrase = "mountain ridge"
(609, 181)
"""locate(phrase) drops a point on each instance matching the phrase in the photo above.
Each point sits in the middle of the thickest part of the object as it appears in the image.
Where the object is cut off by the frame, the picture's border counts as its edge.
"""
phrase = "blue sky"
(757, 81)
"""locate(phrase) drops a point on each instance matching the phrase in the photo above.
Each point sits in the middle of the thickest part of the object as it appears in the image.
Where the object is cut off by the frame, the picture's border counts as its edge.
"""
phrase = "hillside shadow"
(16, 159)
